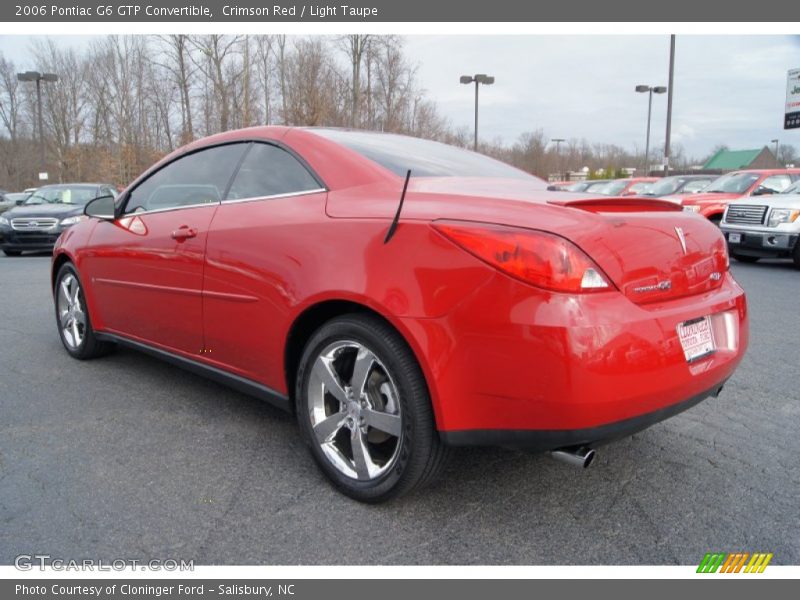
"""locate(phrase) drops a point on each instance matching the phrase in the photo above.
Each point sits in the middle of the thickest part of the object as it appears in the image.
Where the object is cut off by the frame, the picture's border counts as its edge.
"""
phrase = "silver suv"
(768, 228)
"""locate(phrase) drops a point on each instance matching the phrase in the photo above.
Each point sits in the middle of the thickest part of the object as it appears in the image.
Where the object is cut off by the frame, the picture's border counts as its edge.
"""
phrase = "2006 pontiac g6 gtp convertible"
(399, 314)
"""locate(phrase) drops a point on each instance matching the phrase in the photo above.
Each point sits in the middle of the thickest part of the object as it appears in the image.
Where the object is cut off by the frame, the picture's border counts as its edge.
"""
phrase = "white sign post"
(791, 118)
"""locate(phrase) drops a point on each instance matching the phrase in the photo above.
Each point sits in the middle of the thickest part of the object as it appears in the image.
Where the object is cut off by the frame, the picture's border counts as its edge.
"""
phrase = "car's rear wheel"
(12, 252)
(364, 409)
(745, 259)
(72, 317)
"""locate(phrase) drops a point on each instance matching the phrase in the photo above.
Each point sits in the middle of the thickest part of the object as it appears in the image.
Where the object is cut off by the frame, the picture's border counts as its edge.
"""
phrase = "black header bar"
(178, 11)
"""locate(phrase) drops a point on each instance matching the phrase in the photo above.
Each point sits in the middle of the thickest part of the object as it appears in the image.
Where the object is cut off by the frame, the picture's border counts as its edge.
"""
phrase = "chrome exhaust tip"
(578, 456)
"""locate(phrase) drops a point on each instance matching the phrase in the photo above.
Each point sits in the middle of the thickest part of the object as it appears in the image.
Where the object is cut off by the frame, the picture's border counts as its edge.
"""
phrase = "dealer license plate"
(697, 338)
(735, 238)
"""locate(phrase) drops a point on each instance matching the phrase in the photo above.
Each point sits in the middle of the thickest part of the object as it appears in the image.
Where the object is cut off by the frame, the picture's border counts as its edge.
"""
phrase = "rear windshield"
(425, 158)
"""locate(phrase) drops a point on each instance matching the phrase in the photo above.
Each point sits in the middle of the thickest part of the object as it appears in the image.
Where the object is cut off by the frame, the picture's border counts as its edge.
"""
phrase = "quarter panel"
(269, 260)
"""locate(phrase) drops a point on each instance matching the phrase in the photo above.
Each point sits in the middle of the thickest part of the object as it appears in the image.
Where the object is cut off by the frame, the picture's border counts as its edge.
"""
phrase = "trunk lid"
(651, 249)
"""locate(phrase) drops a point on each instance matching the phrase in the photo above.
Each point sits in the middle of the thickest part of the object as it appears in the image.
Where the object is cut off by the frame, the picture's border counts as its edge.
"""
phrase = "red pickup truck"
(738, 185)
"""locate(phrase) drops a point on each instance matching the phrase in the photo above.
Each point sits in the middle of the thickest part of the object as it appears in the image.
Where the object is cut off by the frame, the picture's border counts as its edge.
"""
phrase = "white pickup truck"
(768, 227)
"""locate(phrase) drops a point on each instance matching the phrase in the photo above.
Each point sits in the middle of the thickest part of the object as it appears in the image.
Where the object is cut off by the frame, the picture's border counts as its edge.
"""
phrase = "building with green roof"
(732, 160)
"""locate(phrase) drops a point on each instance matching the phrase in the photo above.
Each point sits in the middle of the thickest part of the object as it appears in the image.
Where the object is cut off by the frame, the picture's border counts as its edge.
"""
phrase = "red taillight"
(541, 259)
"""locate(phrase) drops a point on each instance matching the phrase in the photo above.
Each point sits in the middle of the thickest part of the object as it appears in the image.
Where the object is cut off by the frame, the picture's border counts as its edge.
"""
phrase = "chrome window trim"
(274, 196)
(238, 200)
(169, 209)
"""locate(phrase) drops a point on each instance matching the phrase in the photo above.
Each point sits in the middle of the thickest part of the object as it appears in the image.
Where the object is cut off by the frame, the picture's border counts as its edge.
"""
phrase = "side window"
(270, 171)
(776, 183)
(198, 178)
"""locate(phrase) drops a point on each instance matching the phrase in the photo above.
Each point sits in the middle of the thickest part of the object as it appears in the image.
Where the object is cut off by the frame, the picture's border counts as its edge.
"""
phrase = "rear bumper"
(541, 440)
(761, 243)
(512, 365)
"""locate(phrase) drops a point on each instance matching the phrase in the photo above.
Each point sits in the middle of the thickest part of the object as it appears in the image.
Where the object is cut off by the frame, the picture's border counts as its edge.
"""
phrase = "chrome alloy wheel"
(71, 315)
(354, 408)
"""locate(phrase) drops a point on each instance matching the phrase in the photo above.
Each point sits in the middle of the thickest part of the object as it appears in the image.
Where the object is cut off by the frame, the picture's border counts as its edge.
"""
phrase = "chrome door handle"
(184, 232)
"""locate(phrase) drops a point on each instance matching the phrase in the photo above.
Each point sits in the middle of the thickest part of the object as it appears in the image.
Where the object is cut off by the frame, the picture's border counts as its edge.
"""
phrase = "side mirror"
(762, 191)
(20, 202)
(101, 207)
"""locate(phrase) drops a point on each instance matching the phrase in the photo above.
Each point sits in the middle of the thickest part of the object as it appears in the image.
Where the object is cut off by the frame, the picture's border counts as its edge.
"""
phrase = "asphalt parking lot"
(128, 457)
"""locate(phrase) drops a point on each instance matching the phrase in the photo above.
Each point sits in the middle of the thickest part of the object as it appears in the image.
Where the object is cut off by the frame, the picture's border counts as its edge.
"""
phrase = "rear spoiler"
(619, 204)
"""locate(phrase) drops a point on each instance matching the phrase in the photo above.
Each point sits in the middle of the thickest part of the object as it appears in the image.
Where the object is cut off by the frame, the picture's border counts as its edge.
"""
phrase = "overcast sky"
(728, 90)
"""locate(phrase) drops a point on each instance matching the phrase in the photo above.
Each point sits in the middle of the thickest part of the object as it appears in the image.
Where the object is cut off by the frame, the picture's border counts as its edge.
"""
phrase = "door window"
(270, 171)
(196, 179)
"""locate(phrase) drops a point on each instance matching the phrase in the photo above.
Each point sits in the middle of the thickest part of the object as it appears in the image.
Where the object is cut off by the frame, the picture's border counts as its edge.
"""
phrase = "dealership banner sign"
(791, 119)
(178, 11)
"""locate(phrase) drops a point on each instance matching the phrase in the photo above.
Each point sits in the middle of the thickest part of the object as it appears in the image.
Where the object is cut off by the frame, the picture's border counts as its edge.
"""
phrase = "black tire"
(418, 453)
(796, 255)
(89, 346)
(716, 219)
(745, 259)
(12, 252)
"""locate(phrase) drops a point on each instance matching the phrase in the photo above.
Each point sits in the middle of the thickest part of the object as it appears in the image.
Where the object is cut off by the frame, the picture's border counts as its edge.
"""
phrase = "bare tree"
(264, 62)
(124, 101)
(10, 101)
(216, 53)
(175, 59)
(355, 46)
(788, 155)
(282, 64)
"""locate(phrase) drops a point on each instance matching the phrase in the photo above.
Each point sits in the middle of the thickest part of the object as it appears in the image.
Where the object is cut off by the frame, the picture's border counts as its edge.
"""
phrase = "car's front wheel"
(72, 317)
(364, 409)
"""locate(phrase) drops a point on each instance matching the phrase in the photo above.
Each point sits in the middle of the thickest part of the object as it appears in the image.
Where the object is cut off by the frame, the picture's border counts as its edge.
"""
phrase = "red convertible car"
(399, 314)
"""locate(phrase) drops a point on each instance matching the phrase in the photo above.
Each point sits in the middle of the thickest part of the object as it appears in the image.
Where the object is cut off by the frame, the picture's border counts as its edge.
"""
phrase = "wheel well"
(57, 264)
(307, 323)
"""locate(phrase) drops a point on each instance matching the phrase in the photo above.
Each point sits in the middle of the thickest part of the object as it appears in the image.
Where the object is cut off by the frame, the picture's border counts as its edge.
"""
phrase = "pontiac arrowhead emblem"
(681, 238)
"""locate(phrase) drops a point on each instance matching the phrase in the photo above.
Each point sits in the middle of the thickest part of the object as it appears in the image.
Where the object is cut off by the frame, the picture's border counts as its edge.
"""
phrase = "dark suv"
(36, 224)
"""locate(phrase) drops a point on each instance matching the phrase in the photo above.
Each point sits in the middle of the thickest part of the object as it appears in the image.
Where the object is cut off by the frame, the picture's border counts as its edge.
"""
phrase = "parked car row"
(712, 200)
(630, 186)
(757, 209)
(678, 184)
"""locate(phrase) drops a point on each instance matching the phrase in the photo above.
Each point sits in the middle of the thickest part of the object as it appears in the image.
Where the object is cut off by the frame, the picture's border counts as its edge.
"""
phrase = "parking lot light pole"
(39, 78)
(649, 90)
(477, 80)
(671, 85)
(776, 147)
